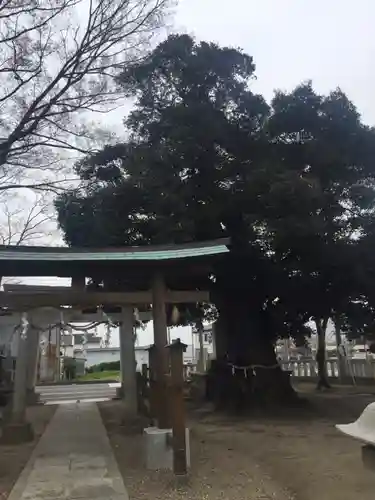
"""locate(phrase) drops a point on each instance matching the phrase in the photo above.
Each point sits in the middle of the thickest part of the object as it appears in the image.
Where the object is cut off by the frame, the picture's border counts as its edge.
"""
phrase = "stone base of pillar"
(32, 398)
(19, 433)
(158, 448)
(120, 392)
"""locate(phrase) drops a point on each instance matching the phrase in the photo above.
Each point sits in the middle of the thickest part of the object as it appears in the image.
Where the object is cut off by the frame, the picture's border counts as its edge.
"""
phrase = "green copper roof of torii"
(144, 253)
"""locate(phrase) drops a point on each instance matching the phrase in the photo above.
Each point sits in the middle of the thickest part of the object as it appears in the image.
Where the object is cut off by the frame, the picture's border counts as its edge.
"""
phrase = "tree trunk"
(221, 343)
(248, 373)
(321, 325)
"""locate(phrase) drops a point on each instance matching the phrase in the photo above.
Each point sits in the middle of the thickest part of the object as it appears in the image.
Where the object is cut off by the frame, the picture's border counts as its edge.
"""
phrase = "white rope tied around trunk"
(252, 368)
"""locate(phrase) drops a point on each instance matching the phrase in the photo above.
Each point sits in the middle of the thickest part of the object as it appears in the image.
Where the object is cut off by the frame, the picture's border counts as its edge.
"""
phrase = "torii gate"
(43, 319)
(150, 275)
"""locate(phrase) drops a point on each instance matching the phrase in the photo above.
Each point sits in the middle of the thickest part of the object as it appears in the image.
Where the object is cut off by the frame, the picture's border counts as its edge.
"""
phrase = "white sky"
(328, 41)
(146, 337)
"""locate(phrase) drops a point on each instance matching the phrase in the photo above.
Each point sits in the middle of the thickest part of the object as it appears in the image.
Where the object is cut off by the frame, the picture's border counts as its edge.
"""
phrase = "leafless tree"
(25, 220)
(57, 61)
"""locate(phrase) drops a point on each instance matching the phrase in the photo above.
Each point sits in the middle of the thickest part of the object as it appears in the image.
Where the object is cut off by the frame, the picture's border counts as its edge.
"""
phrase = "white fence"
(357, 368)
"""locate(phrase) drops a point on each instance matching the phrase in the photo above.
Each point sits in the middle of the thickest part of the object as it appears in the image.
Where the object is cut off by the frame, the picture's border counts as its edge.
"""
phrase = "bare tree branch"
(57, 61)
(25, 220)
(55, 187)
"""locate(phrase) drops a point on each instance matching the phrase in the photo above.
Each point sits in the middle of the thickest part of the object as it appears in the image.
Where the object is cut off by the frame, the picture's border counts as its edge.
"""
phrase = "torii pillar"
(17, 429)
(161, 353)
(127, 362)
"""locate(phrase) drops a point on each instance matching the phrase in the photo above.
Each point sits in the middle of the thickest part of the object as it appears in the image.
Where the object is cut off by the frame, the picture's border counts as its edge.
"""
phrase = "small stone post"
(177, 348)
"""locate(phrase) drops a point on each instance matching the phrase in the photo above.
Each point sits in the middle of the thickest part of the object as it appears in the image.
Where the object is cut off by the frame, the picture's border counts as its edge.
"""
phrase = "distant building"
(73, 345)
(69, 346)
(97, 355)
(90, 348)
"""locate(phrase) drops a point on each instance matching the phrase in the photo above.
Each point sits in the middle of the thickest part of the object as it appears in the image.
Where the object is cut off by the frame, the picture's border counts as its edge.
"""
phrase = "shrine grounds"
(293, 454)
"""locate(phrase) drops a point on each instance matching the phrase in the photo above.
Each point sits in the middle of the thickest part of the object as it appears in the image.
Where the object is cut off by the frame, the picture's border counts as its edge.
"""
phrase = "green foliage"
(109, 375)
(106, 366)
(292, 185)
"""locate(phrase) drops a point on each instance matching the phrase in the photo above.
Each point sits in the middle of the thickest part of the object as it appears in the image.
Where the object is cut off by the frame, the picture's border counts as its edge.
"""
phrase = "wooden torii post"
(152, 396)
(176, 383)
(161, 355)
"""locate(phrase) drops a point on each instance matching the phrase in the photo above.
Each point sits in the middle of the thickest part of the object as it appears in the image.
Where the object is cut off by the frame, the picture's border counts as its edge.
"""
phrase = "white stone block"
(363, 428)
(158, 448)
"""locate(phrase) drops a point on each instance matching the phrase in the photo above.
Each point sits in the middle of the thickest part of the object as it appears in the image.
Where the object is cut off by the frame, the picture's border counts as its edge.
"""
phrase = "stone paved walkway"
(73, 459)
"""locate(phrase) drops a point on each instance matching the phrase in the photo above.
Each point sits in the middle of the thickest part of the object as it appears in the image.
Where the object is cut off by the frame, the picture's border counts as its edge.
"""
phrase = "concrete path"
(73, 459)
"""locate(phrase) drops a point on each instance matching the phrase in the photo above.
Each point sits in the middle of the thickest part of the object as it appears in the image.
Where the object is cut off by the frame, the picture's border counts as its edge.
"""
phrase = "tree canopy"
(290, 182)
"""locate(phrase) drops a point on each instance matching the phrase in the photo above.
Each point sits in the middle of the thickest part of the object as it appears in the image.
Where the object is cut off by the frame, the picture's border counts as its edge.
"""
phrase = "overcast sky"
(331, 42)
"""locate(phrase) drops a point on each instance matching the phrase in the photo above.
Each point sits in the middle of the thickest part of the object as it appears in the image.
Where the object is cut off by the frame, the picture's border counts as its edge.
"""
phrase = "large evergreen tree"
(289, 184)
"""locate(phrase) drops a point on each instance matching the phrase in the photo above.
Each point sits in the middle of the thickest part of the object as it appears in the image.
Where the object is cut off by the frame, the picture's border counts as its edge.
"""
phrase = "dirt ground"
(14, 458)
(290, 455)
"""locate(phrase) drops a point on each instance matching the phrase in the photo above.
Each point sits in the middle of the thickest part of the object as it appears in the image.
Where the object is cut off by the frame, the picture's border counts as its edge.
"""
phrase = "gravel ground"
(217, 471)
(296, 455)
(14, 458)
